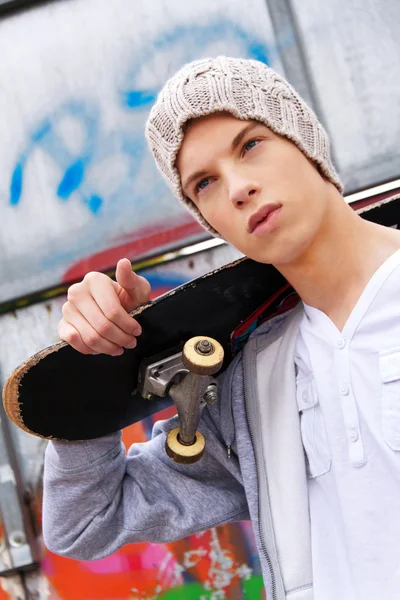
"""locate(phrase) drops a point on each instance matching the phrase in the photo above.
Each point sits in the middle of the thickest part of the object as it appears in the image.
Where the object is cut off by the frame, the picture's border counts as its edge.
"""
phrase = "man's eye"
(202, 184)
(250, 144)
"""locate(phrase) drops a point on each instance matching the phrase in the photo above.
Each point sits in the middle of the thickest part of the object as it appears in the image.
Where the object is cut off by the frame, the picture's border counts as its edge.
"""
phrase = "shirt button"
(344, 390)
(341, 343)
(353, 435)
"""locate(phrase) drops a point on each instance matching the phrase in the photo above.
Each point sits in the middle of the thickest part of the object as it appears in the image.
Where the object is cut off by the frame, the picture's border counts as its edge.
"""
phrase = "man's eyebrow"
(239, 137)
(193, 178)
(235, 143)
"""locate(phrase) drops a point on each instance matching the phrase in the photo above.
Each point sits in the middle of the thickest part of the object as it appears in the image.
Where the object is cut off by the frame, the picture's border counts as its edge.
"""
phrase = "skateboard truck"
(186, 377)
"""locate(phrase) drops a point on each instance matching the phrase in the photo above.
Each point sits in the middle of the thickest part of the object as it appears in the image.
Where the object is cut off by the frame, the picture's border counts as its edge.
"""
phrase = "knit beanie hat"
(247, 89)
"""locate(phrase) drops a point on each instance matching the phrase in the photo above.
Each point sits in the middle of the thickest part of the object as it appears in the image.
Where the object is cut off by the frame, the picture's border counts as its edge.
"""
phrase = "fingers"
(99, 336)
(94, 321)
(102, 308)
(69, 334)
(95, 318)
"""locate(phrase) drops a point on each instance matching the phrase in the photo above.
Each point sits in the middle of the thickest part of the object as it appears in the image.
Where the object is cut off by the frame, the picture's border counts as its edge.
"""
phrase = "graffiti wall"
(218, 564)
(79, 190)
(78, 187)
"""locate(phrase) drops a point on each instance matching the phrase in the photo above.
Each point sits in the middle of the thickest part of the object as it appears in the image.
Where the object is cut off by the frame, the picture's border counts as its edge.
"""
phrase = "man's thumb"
(136, 288)
(124, 275)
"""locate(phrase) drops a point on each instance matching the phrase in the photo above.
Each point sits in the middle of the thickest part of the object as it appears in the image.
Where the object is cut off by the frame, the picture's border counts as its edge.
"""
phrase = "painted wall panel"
(77, 185)
(78, 79)
(352, 51)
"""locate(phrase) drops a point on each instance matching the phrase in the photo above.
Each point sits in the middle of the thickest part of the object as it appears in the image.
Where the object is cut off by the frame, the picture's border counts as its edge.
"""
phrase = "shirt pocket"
(389, 366)
(313, 431)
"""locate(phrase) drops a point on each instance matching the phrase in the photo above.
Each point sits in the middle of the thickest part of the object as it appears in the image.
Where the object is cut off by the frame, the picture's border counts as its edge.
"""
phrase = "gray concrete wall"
(352, 51)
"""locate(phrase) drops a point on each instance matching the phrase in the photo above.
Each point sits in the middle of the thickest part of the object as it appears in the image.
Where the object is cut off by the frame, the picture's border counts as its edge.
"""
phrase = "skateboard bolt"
(204, 347)
(17, 539)
(211, 395)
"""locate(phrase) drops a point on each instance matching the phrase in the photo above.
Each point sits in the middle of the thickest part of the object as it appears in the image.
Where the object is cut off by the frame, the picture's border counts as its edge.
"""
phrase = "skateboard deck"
(61, 394)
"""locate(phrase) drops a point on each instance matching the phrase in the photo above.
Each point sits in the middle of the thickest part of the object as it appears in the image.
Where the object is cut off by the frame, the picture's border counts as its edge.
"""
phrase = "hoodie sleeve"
(97, 497)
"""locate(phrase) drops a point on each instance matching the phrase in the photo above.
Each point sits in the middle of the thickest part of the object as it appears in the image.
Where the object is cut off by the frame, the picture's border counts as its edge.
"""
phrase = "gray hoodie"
(97, 498)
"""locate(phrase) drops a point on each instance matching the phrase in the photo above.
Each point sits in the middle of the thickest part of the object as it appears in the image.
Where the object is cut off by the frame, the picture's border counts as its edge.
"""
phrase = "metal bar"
(379, 189)
(140, 265)
(9, 7)
(292, 52)
(20, 549)
(291, 49)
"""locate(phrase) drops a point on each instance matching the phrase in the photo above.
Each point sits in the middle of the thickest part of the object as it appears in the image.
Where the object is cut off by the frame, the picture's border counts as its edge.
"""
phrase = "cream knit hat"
(247, 89)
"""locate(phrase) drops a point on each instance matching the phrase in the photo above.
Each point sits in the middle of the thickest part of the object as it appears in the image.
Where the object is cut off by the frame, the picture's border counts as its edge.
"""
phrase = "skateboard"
(189, 334)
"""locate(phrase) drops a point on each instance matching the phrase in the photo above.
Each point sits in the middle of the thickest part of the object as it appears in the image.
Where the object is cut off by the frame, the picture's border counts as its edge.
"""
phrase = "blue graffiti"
(74, 169)
(98, 147)
(47, 138)
(72, 179)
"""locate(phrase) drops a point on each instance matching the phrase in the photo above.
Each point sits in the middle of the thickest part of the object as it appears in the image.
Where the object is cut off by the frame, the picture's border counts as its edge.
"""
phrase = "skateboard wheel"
(182, 454)
(203, 355)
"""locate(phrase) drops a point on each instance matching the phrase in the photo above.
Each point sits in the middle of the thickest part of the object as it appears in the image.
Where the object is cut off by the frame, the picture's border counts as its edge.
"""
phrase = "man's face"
(237, 172)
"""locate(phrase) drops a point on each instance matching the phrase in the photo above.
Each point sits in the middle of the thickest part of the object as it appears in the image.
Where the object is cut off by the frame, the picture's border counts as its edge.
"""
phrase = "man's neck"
(332, 274)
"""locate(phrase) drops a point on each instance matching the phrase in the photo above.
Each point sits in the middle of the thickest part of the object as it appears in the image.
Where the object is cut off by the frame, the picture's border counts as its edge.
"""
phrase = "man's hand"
(95, 316)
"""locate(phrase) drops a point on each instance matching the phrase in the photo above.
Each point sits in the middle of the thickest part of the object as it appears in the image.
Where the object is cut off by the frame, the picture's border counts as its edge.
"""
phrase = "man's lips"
(261, 215)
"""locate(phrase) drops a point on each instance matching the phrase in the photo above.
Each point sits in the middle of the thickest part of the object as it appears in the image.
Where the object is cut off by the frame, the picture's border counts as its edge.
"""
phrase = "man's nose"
(242, 191)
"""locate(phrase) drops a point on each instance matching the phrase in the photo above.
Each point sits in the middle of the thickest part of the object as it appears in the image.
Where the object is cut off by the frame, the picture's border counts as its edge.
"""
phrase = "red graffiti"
(146, 240)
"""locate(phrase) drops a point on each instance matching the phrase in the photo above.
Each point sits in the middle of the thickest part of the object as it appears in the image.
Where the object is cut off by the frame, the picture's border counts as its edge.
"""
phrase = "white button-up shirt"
(348, 395)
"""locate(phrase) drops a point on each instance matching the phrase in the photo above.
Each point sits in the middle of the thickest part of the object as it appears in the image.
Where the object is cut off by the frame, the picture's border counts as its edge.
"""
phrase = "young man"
(311, 408)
